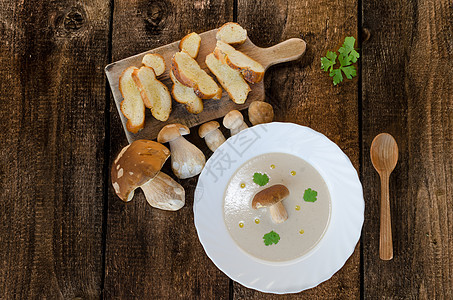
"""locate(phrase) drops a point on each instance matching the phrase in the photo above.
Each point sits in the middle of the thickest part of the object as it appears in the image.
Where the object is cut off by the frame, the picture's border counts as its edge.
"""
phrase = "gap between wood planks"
(359, 129)
(106, 153)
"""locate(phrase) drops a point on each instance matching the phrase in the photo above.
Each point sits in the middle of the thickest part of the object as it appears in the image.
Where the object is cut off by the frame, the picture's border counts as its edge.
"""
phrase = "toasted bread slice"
(132, 105)
(217, 96)
(231, 33)
(189, 73)
(231, 79)
(190, 44)
(154, 93)
(154, 61)
(186, 95)
(252, 70)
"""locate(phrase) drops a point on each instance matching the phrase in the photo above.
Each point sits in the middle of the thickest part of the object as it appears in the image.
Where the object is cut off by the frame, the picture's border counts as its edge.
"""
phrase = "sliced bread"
(231, 33)
(217, 96)
(230, 79)
(132, 105)
(154, 61)
(154, 93)
(252, 70)
(189, 73)
(190, 44)
(186, 95)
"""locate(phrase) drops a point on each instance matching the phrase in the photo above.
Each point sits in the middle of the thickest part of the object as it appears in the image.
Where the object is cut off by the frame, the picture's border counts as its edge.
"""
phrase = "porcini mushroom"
(260, 112)
(272, 197)
(234, 121)
(139, 165)
(211, 134)
(186, 159)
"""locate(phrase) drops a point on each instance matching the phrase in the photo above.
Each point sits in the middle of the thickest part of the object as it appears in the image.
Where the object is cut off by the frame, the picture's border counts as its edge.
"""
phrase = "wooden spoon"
(384, 155)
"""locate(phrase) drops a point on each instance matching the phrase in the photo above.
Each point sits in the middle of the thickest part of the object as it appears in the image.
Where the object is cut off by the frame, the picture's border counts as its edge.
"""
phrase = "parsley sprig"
(271, 238)
(310, 195)
(348, 56)
(260, 179)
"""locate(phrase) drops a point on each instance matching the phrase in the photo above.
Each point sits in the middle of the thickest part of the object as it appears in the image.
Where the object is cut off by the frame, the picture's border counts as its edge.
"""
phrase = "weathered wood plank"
(51, 164)
(154, 254)
(407, 92)
(301, 93)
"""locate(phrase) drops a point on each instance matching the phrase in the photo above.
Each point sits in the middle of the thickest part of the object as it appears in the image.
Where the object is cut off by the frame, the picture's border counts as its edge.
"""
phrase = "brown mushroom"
(139, 165)
(260, 112)
(234, 121)
(211, 134)
(272, 197)
(186, 159)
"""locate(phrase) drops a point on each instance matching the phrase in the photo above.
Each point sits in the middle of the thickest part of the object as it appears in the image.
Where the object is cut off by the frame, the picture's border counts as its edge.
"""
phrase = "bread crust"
(239, 84)
(185, 80)
(192, 106)
(159, 115)
(193, 103)
(141, 88)
(218, 96)
(158, 69)
(185, 40)
(131, 126)
(249, 74)
(224, 28)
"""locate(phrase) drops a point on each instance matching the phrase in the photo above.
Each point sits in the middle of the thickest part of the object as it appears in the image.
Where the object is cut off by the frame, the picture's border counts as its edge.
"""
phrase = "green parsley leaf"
(310, 195)
(337, 76)
(348, 50)
(260, 179)
(348, 45)
(329, 61)
(349, 71)
(271, 238)
(354, 55)
(344, 60)
(348, 56)
(331, 55)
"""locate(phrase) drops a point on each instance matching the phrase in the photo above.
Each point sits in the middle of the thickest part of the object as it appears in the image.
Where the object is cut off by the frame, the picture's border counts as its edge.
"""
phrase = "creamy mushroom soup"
(308, 207)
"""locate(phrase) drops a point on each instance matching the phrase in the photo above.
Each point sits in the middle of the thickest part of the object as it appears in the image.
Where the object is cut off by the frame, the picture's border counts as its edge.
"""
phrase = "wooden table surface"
(63, 232)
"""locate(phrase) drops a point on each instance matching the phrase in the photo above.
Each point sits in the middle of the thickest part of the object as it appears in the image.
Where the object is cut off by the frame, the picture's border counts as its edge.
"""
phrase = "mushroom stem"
(238, 129)
(278, 213)
(234, 121)
(272, 198)
(214, 139)
(186, 159)
(164, 193)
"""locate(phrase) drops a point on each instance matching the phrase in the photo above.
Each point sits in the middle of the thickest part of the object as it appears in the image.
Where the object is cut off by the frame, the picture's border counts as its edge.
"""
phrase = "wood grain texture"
(150, 253)
(407, 92)
(288, 50)
(302, 93)
(51, 164)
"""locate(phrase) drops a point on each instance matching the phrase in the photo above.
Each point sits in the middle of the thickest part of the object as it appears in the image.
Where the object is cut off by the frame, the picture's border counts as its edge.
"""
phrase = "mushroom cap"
(260, 112)
(270, 196)
(171, 132)
(233, 119)
(135, 165)
(207, 128)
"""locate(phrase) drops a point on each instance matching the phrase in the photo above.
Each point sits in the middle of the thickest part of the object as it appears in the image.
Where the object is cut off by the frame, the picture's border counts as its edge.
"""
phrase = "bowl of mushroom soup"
(279, 208)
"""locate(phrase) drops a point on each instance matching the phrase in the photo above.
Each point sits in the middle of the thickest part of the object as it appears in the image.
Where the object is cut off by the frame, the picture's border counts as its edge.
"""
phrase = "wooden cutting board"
(288, 50)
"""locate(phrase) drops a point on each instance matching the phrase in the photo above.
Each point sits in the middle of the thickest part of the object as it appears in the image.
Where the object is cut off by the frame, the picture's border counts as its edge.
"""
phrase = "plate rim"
(336, 212)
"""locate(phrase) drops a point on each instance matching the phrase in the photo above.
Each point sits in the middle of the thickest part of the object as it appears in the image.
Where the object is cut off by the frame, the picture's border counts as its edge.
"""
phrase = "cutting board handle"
(288, 50)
